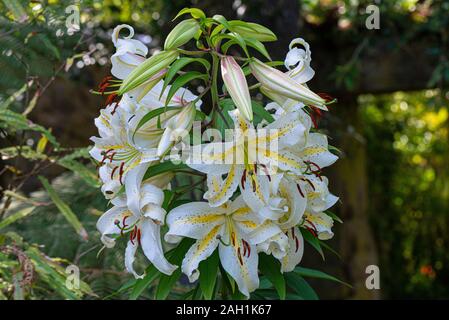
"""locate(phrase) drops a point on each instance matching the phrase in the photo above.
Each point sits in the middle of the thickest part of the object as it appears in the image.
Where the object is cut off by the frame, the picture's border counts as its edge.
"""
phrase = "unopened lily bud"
(177, 128)
(147, 69)
(181, 34)
(280, 83)
(236, 84)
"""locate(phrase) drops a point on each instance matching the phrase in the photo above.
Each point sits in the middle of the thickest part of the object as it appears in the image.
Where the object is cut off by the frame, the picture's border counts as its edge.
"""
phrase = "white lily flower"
(115, 147)
(252, 151)
(232, 227)
(319, 199)
(139, 214)
(298, 60)
(129, 52)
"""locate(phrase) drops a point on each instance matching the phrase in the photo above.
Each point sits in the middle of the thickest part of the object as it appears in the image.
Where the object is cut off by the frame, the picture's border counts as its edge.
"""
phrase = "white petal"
(152, 247)
(133, 181)
(221, 191)
(130, 255)
(193, 220)
(200, 251)
(316, 151)
(295, 250)
(264, 232)
(243, 270)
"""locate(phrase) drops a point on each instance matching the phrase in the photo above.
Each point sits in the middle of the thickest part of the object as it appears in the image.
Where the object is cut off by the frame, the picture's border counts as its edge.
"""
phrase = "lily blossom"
(138, 214)
(232, 227)
(248, 160)
(115, 147)
(129, 52)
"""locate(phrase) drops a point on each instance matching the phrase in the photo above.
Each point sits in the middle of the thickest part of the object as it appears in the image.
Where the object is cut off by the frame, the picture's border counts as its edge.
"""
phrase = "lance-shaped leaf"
(64, 209)
(181, 34)
(252, 30)
(237, 86)
(280, 83)
(147, 69)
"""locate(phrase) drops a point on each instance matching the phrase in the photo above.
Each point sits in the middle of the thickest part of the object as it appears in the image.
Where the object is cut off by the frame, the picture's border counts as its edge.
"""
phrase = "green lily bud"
(181, 34)
(147, 69)
(236, 84)
(280, 83)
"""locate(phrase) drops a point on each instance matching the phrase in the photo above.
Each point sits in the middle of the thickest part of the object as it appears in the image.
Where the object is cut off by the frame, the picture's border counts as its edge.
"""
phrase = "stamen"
(113, 172)
(239, 254)
(309, 182)
(233, 239)
(297, 244)
(219, 238)
(139, 236)
(121, 173)
(243, 179)
(300, 191)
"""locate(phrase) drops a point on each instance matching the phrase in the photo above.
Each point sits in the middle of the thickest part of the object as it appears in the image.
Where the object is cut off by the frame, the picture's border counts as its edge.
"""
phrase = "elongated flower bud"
(147, 69)
(177, 128)
(236, 84)
(181, 34)
(278, 82)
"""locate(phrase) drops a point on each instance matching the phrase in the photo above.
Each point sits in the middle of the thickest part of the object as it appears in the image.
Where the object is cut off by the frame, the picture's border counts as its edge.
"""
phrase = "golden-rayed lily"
(248, 159)
(129, 52)
(139, 215)
(232, 227)
(281, 84)
(115, 147)
(235, 81)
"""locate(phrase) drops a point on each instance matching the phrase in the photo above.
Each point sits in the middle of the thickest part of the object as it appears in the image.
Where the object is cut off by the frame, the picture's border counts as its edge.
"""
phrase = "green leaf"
(55, 276)
(182, 80)
(312, 273)
(162, 167)
(271, 268)
(5, 104)
(260, 111)
(194, 12)
(235, 38)
(208, 275)
(333, 216)
(167, 282)
(88, 175)
(178, 65)
(252, 30)
(302, 288)
(140, 285)
(256, 44)
(314, 242)
(221, 20)
(64, 209)
(16, 216)
(17, 121)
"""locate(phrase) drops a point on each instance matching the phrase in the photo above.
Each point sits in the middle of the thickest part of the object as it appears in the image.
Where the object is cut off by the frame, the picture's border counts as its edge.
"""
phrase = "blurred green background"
(391, 124)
